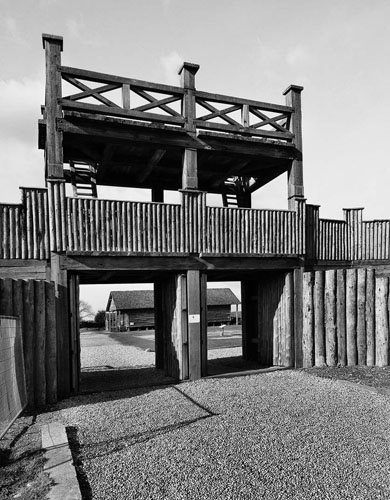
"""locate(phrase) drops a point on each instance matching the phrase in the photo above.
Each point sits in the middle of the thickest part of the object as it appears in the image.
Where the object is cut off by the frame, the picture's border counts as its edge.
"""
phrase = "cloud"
(171, 64)
(78, 31)
(297, 55)
(21, 164)
(20, 102)
(11, 30)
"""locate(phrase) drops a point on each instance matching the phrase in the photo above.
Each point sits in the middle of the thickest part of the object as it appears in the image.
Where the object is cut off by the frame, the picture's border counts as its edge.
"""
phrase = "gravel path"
(281, 435)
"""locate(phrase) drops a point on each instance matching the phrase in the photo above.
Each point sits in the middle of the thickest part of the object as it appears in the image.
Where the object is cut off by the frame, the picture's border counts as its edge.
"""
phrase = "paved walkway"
(281, 435)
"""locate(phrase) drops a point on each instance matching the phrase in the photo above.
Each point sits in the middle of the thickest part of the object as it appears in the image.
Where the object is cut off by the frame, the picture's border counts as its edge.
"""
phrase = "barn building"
(134, 309)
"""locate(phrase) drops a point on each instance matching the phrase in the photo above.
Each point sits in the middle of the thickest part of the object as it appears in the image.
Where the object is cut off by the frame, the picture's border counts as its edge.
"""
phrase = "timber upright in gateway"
(304, 279)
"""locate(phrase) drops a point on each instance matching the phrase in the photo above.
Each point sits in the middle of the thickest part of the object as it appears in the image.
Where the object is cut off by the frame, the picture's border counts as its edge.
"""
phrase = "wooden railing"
(151, 108)
(243, 116)
(153, 102)
(247, 231)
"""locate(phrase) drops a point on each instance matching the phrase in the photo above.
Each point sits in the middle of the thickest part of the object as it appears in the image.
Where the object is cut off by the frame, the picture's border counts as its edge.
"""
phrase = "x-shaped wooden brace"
(216, 113)
(266, 120)
(88, 92)
(156, 103)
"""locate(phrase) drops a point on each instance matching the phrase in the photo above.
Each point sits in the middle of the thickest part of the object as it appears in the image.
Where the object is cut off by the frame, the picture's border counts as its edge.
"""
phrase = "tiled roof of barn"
(144, 299)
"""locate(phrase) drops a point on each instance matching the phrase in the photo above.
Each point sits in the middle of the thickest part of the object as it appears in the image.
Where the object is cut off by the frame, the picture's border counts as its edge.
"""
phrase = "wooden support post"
(203, 322)
(190, 164)
(53, 151)
(74, 332)
(194, 324)
(60, 279)
(295, 174)
(158, 324)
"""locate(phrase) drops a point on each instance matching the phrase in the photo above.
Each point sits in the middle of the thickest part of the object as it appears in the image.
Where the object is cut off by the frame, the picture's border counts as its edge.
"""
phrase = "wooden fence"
(240, 230)
(13, 397)
(34, 303)
(24, 228)
(345, 318)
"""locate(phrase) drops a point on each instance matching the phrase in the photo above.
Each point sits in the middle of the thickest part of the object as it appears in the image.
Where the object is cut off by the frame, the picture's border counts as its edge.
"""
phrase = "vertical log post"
(308, 320)
(351, 316)
(353, 218)
(312, 231)
(295, 174)
(361, 317)
(319, 326)
(330, 317)
(158, 321)
(381, 321)
(190, 166)
(194, 324)
(298, 316)
(53, 150)
(370, 316)
(341, 319)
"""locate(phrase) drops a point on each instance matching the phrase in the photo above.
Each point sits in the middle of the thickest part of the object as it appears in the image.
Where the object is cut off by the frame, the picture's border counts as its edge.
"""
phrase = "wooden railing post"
(53, 149)
(312, 231)
(353, 218)
(295, 174)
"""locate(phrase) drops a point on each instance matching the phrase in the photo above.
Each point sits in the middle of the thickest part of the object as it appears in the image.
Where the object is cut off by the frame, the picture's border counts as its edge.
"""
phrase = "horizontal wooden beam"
(93, 76)
(124, 113)
(225, 99)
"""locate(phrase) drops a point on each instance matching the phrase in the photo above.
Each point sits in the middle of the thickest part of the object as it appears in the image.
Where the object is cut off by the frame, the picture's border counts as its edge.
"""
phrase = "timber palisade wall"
(48, 221)
(346, 317)
(35, 303)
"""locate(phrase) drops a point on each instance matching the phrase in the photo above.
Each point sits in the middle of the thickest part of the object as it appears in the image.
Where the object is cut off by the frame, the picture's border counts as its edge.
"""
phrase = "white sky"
(339, 50)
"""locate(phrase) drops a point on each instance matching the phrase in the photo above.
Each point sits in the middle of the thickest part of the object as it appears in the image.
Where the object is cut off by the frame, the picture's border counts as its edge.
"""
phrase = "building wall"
(218, 314)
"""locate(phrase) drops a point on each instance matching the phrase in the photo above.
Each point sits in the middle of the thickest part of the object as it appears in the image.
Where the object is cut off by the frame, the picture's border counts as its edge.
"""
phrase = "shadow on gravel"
(108, 447)
(122, 378)
(75, 449)
(220, 366)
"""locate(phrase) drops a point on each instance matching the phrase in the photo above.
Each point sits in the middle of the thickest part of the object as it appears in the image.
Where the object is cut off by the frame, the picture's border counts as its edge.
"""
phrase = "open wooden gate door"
(74, 328)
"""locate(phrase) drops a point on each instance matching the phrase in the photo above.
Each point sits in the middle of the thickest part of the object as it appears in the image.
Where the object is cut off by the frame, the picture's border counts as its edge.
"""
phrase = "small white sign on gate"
(194, 318)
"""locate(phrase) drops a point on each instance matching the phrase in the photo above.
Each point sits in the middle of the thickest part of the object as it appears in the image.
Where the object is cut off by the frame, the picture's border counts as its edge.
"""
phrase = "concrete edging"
(59, 463)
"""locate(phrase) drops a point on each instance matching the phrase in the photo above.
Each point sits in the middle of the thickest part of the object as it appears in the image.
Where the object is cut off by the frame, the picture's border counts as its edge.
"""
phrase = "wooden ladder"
(229, 196)
(83, 178)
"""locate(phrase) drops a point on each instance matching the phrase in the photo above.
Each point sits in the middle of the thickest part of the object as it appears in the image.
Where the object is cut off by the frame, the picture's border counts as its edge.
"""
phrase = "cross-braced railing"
(138, 100)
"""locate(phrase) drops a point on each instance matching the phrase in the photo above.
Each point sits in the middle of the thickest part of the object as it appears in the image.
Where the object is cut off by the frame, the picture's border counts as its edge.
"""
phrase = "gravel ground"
(118, 356)
(280, 435)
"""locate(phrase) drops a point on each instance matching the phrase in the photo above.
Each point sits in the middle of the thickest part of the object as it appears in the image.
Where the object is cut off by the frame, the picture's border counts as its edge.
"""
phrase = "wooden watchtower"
(106, 130)
(117, 131)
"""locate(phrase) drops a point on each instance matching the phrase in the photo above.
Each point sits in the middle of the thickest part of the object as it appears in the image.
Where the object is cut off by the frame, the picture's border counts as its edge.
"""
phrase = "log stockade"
(346, 318)
(33, 301)
(48, 221)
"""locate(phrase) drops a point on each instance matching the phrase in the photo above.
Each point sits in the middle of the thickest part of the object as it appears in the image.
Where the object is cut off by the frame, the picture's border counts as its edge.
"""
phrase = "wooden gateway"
(134, 309)
(314, 291)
